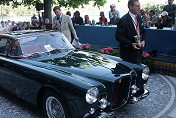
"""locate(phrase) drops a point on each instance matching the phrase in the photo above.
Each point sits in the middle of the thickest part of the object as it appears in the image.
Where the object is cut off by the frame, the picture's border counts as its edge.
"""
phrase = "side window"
(15, 49)
(3, 46)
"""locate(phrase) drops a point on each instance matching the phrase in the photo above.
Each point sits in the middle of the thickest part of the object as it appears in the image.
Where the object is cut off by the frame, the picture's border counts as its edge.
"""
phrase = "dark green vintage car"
(43, 68)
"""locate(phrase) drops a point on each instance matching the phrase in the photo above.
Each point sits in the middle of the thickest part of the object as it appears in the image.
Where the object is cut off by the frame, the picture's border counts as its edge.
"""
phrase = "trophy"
(138, 41)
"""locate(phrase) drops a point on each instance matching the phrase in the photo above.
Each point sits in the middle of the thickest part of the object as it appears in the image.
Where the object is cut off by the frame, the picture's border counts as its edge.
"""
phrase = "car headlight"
(103, 103)
(92, 95)
(145, 73)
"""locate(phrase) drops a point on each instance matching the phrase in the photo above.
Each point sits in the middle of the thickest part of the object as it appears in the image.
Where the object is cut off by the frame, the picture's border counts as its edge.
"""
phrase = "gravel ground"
(160, 94)
(12, 107)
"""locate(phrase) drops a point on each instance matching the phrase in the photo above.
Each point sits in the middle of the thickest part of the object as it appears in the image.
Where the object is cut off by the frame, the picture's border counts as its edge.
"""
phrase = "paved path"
(161, 103)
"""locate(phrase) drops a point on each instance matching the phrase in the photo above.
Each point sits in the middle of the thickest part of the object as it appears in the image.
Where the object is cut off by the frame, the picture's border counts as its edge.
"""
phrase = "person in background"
(78, 19)
(113, 9)
(15, 50)
(11, 26)
(33, 18)
(46, 21)
(115, 19)
(2, 25)
(8, 23)
(24, 25)
(171, 10)
(164, 21)
(73, 18)
(28, 26)
(63, 24)
(41, 19)
(144, 17)
(68, 13)
(102, 20)
(153, 18)
(47, 24)
(87, 21)
(129, 26)
(35, 25)
(17, 27)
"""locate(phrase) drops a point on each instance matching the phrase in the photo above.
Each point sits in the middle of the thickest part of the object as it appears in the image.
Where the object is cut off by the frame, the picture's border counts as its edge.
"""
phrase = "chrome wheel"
(54, 108)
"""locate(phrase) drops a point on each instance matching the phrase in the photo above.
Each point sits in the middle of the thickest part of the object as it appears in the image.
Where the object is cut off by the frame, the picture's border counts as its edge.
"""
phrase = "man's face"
(135, 9)
(170, 1)
(164, 17)
(57, 12)
(151, 14)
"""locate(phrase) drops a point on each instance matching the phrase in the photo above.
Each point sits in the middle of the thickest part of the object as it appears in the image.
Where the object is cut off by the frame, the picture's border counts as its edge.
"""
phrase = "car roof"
(25, 33)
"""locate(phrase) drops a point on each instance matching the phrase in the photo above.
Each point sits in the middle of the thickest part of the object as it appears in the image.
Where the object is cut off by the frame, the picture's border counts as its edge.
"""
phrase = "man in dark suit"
(171, 9)
(129, 26)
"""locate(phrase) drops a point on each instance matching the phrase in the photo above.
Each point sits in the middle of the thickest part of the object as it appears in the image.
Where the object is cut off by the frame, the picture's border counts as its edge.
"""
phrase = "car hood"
(87, 64)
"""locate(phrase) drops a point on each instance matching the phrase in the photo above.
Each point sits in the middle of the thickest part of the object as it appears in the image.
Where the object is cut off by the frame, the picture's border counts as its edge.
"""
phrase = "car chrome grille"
(121, 92)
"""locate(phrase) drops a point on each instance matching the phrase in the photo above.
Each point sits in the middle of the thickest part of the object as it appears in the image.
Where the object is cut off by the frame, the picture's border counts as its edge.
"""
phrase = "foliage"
(147, 60)
(20, 11)
(15, 3)
(157, 8)
(62, 3)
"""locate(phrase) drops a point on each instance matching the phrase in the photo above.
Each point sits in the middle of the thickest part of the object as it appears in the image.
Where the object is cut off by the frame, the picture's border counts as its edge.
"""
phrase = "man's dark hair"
(55, 8)
(77, 13)
(131, 2)
(152, 11)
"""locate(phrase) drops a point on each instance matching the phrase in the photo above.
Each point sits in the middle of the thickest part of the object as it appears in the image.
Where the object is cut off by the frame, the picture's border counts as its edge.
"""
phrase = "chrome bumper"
(142, 96)
(100, 115)
(106, 115)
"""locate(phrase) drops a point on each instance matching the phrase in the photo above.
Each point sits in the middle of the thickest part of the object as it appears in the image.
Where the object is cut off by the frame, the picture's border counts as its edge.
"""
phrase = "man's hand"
(77, 39)
(143, 43)
(56, 21)
(134, 45)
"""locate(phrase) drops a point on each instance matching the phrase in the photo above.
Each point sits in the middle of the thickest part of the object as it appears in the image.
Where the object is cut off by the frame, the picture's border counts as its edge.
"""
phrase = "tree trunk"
(47, 10)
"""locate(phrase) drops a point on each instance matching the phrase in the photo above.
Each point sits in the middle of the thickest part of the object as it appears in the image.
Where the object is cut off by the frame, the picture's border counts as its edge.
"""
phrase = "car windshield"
(41, 43)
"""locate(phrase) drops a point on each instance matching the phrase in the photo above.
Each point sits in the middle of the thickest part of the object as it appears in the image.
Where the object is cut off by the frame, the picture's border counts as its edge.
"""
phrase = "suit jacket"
(114, 21)
(171, 9)
(154, 20)
(78, 20)
(166, 23)
(125, 35)
(15, 28)
(66, 26)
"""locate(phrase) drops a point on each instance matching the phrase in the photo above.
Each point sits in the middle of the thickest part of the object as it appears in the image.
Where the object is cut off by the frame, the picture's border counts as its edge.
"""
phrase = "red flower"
(145, 54)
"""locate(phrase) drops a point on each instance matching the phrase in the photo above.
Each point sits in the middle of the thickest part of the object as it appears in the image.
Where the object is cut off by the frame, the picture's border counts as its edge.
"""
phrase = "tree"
(48, 3)
(158, 8)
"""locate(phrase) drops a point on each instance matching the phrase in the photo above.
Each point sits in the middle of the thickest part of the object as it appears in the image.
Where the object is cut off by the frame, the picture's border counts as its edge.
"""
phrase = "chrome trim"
(136, 99)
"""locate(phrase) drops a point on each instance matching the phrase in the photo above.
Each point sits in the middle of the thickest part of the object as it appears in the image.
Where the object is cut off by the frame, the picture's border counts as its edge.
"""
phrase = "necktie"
(60, 20)
(137, 26)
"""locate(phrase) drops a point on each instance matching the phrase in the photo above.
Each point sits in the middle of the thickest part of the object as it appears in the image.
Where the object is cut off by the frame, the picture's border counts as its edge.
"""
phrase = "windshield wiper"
(55, 51)
(34, 55)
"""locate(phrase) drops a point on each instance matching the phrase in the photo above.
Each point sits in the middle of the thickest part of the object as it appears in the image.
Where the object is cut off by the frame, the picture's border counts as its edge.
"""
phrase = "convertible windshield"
(42, 43)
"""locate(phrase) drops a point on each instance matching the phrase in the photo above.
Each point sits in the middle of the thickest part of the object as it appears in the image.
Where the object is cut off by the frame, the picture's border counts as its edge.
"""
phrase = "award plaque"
(138, 41)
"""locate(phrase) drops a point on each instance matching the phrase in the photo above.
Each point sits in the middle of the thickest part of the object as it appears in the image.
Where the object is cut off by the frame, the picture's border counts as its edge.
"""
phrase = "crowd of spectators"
(150, 19)
(165, 19)
(35, 23)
